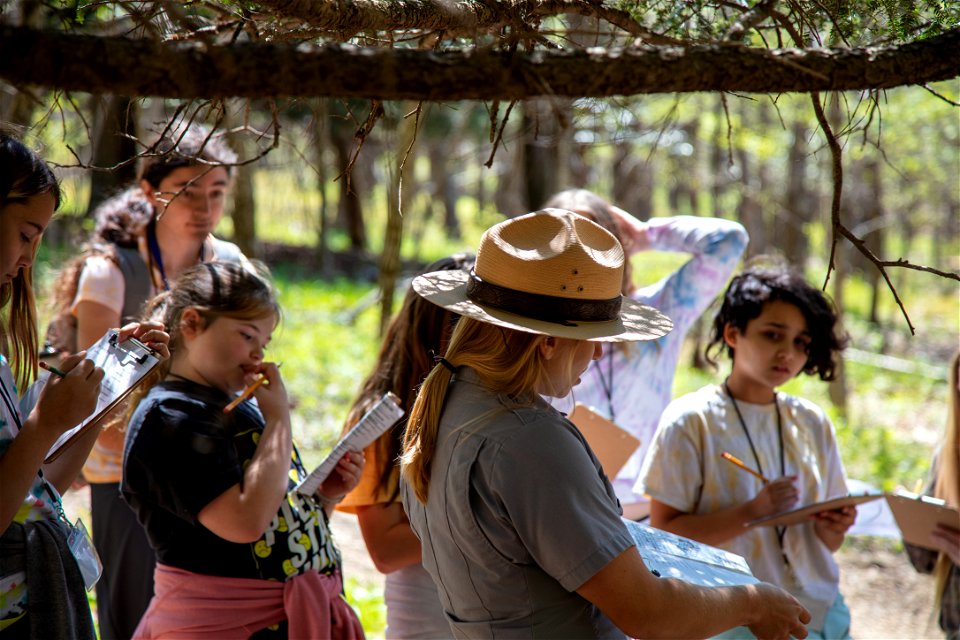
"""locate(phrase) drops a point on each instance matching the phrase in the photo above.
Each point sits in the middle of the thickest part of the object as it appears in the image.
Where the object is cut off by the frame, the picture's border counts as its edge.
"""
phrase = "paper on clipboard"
(612, 444)
(673, 556)
(917, 517)
(125, 364)
(371, 426)
(803, 513)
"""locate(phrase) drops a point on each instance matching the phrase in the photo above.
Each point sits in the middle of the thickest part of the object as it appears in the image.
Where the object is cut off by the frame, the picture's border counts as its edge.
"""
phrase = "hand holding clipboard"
(125, 363)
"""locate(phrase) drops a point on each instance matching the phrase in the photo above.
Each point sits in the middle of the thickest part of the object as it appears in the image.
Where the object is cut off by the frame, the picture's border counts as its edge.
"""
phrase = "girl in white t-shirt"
(773, 325)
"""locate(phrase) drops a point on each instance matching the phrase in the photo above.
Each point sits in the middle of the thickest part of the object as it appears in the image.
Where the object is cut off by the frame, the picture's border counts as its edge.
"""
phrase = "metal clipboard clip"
(133, 351)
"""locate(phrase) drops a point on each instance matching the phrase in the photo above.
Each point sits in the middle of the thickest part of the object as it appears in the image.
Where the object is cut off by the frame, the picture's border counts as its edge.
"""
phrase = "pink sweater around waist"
(194, 605)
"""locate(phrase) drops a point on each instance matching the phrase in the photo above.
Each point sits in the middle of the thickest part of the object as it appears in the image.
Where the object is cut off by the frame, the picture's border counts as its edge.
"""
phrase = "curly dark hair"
(186, 145)
(755, 287)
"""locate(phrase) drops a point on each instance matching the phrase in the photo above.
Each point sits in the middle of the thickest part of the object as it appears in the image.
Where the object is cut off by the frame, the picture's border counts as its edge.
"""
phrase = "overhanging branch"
(143, 67)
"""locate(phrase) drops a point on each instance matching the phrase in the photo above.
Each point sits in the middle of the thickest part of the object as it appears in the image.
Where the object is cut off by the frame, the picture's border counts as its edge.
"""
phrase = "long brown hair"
(507, 362)
(416, 337)
(23, 175)
(947, 485)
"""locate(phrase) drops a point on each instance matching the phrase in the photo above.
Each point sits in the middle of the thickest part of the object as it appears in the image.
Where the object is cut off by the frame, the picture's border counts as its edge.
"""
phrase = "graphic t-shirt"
(181, 453)
(38, 503)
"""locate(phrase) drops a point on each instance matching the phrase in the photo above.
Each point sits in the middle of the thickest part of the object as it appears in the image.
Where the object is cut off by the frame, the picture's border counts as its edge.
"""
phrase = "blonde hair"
(507, 362)
(947, 485)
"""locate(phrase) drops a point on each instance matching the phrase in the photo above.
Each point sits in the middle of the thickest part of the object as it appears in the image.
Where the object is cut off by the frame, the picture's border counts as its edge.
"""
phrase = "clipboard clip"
(135, 352)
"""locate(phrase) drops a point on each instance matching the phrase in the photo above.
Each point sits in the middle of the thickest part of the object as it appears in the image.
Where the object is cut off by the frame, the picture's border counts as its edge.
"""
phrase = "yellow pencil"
(246, 393)
(737, 461)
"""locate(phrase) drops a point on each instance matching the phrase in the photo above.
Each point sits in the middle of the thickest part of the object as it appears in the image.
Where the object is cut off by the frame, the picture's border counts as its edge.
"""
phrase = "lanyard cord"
(14, 410)
(781, 531)
(156, 259)
(606, 383)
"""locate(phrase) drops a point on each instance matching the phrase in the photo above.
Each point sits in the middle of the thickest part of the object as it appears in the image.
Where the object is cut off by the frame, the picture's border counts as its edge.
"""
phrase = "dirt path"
(887, 598)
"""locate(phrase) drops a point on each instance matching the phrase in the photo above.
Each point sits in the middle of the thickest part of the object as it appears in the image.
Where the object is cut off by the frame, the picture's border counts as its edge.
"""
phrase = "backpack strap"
(136, 283)
(136, 276)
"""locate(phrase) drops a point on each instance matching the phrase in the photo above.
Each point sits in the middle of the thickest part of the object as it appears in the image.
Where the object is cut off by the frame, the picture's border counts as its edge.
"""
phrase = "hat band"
(554, 309)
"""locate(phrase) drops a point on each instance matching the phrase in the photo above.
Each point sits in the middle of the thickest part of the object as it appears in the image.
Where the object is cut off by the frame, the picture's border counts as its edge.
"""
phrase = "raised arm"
(644, 606)
(244, 511)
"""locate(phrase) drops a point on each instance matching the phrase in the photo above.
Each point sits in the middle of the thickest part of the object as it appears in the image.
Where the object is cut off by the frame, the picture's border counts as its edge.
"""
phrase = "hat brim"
(637, 321)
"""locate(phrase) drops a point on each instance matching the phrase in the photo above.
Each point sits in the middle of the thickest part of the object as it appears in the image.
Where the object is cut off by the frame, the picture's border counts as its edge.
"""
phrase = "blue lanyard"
(154, 247)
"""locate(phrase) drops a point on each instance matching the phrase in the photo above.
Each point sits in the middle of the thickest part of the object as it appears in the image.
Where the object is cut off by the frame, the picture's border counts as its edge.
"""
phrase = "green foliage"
(367, 601)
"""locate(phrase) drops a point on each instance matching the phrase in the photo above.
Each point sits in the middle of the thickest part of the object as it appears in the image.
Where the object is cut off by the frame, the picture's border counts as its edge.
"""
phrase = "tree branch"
(127, 66)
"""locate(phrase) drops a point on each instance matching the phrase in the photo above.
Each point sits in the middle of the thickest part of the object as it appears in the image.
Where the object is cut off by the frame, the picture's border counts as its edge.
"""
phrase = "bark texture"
(143, 67)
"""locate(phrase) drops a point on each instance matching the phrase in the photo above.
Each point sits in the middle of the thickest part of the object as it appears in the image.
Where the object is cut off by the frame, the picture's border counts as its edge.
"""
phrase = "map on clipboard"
(672, 556)
(125, 364)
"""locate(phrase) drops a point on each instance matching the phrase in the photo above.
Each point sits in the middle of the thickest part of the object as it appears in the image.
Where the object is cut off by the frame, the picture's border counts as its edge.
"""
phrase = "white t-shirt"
(684, 470)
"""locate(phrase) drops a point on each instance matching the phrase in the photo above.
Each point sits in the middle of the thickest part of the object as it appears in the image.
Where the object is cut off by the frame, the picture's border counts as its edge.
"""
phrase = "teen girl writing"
(416, 337)
(238, 554)
(41, 589)
(773, 325)
(632, 383)
(520, 528)
(144, 238)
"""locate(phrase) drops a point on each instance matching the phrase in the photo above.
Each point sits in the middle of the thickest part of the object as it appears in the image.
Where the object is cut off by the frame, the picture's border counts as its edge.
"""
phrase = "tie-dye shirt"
(684, 470)
(633, 384)
(37, 504)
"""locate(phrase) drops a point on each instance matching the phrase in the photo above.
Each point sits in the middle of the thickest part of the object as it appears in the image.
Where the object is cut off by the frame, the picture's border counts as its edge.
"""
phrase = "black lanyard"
(781, 531)
(606, 382)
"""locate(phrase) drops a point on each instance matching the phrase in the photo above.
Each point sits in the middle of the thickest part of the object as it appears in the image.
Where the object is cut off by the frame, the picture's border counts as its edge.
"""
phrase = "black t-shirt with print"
(181, 452)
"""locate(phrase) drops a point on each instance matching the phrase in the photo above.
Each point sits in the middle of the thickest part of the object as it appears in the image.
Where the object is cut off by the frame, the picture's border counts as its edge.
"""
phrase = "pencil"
(246, 393)
(729, 457)
(52, 369)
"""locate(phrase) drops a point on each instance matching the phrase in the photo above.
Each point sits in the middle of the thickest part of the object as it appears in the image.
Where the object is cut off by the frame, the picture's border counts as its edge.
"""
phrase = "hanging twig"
(499, 138)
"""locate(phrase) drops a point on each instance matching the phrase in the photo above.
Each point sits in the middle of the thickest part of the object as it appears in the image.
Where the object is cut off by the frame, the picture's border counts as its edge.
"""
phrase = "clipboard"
(125, 365)
(668, 555)
(612, 444)
(803, 513)
(917, 516)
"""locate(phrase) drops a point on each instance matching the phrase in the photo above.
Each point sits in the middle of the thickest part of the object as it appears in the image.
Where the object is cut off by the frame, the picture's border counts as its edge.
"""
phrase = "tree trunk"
(874, 237)
(349, 205)
(401, 172)
(719, 162)
(244, 204)
(114, 135)
(838, 387)
(632, 180)
(320, 132)
(798, 203)
(540, 153)
(751, 211)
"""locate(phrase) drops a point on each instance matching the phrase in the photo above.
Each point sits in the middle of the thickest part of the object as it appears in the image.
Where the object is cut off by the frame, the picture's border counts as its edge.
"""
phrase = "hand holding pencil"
(777, 495)
(268, 387)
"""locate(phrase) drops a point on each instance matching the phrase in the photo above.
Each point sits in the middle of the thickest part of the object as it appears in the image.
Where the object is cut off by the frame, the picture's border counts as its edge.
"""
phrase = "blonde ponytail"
(506, 361)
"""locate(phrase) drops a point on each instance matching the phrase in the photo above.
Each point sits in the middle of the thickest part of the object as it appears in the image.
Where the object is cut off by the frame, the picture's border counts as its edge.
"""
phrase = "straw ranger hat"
(551, 272)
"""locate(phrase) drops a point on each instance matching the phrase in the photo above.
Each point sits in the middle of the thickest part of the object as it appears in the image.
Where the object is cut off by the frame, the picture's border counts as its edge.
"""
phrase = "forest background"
(757, 160)
(346, 195)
